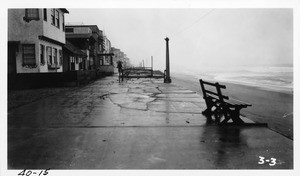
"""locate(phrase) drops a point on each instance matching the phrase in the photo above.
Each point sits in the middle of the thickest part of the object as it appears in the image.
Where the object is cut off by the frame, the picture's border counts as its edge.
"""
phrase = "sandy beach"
(272, 107)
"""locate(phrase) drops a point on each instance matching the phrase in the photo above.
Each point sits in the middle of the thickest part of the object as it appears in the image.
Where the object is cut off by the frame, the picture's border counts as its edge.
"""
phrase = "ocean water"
(269, 78)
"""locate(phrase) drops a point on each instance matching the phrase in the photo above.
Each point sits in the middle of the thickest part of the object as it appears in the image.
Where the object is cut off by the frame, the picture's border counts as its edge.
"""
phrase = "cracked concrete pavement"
(135, 124)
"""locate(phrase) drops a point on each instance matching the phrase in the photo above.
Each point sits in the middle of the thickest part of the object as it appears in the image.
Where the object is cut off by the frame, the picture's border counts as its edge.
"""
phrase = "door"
(12, 49)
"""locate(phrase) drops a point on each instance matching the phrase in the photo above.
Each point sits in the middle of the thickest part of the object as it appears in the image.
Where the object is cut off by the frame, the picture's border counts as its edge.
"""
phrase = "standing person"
(119, 66)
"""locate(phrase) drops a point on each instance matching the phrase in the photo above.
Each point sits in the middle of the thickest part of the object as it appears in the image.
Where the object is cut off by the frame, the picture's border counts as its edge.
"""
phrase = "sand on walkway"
(272, 107)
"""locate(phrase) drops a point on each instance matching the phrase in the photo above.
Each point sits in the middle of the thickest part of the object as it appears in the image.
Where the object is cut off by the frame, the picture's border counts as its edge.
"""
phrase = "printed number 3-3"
(272, 161)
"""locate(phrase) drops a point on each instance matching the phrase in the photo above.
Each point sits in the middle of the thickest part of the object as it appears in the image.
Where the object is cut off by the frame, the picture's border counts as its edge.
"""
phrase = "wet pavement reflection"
(135, 124)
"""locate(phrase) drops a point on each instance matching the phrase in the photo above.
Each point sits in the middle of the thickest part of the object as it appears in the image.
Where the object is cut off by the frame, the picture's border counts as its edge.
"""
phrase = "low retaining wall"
(39, 80)
(105, 70)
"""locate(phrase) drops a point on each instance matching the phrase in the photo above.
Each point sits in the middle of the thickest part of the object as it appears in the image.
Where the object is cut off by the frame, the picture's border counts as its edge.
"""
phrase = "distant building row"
(40, 42)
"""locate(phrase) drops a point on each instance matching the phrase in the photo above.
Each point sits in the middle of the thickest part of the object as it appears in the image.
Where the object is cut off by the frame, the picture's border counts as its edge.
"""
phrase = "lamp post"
(167, 78)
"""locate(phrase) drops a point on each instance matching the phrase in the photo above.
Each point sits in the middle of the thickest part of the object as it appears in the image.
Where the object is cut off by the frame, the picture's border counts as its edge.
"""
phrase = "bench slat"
(228, 102)
(213, 93)
(213, 84)
(234, 105)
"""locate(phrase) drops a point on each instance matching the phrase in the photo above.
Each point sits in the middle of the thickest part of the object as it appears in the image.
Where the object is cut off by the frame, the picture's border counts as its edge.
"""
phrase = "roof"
(94, 28)
(64, 10)
(73, 49)
(42, 37)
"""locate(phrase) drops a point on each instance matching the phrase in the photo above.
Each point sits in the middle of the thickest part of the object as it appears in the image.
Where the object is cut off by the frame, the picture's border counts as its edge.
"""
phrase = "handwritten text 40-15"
(27, 172)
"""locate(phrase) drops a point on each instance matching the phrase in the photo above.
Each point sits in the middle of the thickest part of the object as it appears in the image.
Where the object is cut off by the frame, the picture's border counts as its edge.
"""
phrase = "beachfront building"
(90, 40)
(73, 58)
(82, 38)
(106, 59)
(35, 40)
(98, 45)
(106, 65)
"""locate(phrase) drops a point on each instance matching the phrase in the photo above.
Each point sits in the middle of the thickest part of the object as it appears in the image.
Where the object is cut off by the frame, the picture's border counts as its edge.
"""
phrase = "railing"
(139, 72)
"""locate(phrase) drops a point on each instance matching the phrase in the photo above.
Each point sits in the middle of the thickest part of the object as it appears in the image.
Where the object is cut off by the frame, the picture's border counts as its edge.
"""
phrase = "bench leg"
(232, 114)
(235, 116)
(209, 104)
(227, 117)
(207, 112)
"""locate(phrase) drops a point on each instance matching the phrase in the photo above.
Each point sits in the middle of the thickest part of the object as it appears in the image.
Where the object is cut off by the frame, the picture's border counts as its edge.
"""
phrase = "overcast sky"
(198, 37)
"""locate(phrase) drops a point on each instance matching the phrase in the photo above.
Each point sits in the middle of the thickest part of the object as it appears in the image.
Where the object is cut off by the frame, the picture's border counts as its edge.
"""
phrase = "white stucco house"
(35, 40)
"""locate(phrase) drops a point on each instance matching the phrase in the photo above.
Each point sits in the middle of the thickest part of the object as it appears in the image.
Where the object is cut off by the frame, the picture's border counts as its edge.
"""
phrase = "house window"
(49, 55)
(29, 54)
(45, 14)
(42, 54)
(72, 62)
(53, 17)
(57, 18)
(72, 59)
(60, 57)
(55, 56)
(31, 14)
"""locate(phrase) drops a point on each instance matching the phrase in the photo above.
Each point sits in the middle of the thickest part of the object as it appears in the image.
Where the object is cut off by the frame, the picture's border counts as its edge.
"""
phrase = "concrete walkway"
(136, 124)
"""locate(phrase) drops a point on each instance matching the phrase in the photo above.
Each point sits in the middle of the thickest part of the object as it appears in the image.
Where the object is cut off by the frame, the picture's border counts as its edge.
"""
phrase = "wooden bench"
(219, 105)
